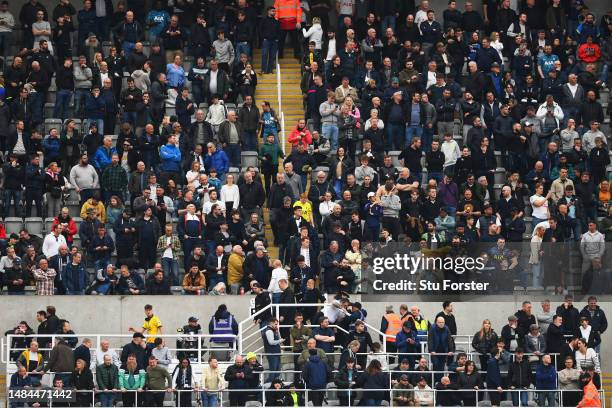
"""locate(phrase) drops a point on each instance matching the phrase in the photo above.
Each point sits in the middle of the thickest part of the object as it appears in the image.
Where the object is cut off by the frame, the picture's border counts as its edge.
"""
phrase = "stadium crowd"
(548, 357)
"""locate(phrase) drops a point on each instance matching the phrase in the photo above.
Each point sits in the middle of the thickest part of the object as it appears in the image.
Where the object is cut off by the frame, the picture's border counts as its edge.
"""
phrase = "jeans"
(544, 396)
(330, 132)
(274, 367)
(536, 271)
(209, 399)
(38, 103)
(243, 48)
(16, 196)
(250, 140)
(268, 55)
(412, 131)
(107, 399)
(77, 293)
(102, 263)
(435, 175)
(188, 245)
(80, 96)
(369, 402)
(5, 42)
(524, 397)
(394, 136)
(129, 117)
(386, 22)
(171, 269)
(233, 154)
(62, 104)
(99, 124)
(214, 279)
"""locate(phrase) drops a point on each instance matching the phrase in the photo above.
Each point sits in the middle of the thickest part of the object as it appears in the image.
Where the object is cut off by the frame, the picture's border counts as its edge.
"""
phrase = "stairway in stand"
(292, 105)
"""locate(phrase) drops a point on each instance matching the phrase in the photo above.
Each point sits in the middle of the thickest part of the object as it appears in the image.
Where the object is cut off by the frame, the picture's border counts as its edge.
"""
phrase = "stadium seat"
(249, 158)
(52, 123)
(506, 404)
(13, 225)
(485, 403)
(394, 154)
(34, 225)
(253, 404)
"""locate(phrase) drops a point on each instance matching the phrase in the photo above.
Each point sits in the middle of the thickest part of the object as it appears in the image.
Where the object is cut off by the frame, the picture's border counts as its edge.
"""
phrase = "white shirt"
(230, 194)
(277, 274)
(207, 207)
(168, 251)
(431, 79)
(51, 244)
(419, 18)
(331, 49)
(98, 358)
(213, 82)
(573, 88)
(540, 212)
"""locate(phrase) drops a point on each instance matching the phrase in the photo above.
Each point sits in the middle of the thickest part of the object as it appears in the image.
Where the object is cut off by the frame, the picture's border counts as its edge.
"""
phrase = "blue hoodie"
(170, 158)
(159, 20)
(315, 373)
(546, 377)
(75, 277)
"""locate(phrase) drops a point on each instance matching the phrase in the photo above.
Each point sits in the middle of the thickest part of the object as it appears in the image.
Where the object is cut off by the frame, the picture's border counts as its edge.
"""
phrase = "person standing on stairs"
(270, 32)
(289, 15)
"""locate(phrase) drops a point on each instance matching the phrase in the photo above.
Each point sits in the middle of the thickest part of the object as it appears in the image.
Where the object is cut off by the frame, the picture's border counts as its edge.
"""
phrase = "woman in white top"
(497, 44)
(539, 205)
(314, 33)
(586, 357)
(327, 206)
(193, 175)
(230, 194)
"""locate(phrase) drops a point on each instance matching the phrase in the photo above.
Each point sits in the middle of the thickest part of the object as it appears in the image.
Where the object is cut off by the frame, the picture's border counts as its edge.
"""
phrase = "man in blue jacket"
(170, 156)
(216, 159)
(75, 278)
(407, 341)
(545, 382)
(104, 154)
(34, 186)
(316, 375)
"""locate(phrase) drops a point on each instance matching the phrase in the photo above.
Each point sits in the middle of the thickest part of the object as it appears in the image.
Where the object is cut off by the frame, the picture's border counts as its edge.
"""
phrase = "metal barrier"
(281, 115)
(249, 322)
(429, 396)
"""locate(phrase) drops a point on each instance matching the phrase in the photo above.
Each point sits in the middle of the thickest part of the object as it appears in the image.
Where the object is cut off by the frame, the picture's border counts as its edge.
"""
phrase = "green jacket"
(107, 377)
(158, 378)
(273, 150)
(303, 334)
(139, 379)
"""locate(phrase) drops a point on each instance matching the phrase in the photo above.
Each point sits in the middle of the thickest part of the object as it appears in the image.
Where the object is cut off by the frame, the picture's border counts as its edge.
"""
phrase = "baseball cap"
(371, 194)
(193, 319)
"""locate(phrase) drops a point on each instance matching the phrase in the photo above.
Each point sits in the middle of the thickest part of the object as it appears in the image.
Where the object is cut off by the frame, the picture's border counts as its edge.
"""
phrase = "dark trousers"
(293, 34)
(392, 224)
(155, 399)
(36, 196)
(16, 196)
(188, 245)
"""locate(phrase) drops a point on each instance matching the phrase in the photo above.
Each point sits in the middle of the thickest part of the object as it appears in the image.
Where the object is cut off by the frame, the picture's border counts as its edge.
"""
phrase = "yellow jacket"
(235, 271)
(99, 210)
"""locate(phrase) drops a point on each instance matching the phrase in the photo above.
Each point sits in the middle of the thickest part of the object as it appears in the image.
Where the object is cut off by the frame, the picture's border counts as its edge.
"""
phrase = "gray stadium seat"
(249, 158)
(484, 403)
(34, 225)
(53, 123)
(13, 225)
(394, 154)
(506, 404)
(253, 404)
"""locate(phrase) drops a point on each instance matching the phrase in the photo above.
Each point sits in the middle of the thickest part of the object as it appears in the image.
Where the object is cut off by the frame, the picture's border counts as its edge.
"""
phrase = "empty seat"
(253, 404)
(506, 404)
(13, 225)
(48, 223)
(394, 154)
(34, 225)
(249, 158)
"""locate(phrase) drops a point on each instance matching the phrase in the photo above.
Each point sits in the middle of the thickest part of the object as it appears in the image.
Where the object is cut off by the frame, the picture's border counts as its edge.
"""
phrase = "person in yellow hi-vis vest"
(289, 15)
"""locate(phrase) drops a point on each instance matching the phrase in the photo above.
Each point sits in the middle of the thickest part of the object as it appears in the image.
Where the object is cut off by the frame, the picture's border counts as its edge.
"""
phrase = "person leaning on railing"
(107, 379)
(131, 379)
(82, 380)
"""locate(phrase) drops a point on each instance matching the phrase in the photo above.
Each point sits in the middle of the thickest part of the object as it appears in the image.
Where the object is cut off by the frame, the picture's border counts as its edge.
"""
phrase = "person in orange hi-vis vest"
(390, 325)
(289, 15)
(591, 394)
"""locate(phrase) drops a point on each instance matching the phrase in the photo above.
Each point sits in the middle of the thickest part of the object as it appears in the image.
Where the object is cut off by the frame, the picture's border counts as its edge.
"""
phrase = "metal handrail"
(281, 115)
(275, 308)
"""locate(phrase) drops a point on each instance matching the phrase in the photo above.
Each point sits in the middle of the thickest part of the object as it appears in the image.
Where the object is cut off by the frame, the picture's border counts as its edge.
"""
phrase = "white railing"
(281, 115)
(274, 308)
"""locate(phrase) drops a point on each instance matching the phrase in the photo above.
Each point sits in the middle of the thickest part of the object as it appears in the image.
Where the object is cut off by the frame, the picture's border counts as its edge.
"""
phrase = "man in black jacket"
(252, 197)
(14, 177)
(136, 347)
(520, 377)
(34, 186)
(64, 82)
(569, 314)
(269, 32)
(199, 40)
(248, 117)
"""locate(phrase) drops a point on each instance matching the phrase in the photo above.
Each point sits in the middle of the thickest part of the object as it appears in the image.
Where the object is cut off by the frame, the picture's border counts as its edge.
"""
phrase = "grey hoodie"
(592, 245)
